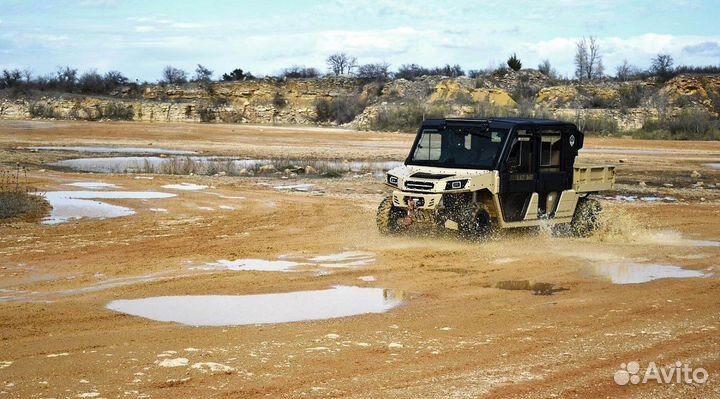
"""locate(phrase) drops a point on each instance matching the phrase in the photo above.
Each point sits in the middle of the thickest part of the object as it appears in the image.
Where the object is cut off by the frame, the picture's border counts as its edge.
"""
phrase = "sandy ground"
(454, 335)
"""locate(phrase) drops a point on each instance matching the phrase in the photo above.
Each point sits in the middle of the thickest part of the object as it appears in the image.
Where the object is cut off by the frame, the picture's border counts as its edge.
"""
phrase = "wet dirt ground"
(449, 331)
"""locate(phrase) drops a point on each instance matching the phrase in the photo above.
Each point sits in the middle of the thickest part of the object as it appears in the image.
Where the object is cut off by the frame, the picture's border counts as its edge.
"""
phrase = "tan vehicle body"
(485, 187)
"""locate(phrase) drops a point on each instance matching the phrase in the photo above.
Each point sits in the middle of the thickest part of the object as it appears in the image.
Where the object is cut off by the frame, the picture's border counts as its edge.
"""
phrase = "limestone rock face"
(293, 101)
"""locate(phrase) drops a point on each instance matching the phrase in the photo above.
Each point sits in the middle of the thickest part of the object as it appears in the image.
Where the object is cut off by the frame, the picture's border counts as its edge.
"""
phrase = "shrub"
(115, 111)
(688, 125)
(339, 109)
(42, 110)
(596, 124)
(18, 199)
(514, 63)
(630, 95)
(299, 72)
(279, 101)
(404, 118)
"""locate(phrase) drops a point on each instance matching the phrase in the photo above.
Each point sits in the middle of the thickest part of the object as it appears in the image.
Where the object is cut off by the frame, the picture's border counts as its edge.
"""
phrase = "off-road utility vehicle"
(478, 175)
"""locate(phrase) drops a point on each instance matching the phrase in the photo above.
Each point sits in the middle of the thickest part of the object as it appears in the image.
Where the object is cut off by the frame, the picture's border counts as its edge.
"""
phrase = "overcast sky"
(140, 37)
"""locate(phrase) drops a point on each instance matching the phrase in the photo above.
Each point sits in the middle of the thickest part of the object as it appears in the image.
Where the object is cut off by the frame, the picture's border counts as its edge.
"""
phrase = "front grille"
(419, 185)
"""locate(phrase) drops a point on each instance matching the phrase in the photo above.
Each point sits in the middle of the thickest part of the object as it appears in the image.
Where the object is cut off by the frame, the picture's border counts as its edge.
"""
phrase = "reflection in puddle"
(127, 150)
(201, 165)
(635, 273)
(229, 310)
(713, 165)
(71, 205)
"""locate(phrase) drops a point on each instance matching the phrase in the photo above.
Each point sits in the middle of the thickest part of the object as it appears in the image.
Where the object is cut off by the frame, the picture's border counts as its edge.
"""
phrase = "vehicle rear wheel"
(586, 219)
(388, 217)
(475, 223)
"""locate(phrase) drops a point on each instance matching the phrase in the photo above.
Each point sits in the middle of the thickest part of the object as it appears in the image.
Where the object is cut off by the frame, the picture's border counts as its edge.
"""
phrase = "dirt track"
(454, 335)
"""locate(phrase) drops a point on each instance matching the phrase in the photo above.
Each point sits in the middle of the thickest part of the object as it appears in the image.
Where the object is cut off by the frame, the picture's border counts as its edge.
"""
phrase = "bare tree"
(662, 66)
(341, 63)
(27, 74)
(546, 69)
(172, 75)
(202, 74)
(625, 71)
(588, 59)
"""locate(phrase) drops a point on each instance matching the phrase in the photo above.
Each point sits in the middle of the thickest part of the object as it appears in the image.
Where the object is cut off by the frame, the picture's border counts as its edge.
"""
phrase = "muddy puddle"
(185, 187)
(73, 205)
(212, 165)
(235, 310)
(93, 185)
(713, 165)
(115, 150)
(635, 198)
(637, 273)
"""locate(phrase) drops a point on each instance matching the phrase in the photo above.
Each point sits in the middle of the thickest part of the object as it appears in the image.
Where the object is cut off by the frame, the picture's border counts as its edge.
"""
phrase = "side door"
(519, 172)
(519, 175)
(553, 175)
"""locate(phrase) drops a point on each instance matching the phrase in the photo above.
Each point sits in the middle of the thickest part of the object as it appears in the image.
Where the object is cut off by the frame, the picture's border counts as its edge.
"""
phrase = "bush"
(115, 111)
(598, 125)
(279, 101)
(18, 199)
(514, 63)
(630, 95)
(405, 118)
(687, 125)
(339, 109)
(43, 110)
(299, 72)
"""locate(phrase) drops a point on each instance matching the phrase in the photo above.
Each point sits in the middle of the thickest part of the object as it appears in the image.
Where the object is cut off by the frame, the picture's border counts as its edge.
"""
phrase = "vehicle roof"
(507, 121)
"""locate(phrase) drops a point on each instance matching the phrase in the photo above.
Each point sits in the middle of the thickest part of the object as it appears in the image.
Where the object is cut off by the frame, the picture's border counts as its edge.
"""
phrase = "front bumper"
(422, 201)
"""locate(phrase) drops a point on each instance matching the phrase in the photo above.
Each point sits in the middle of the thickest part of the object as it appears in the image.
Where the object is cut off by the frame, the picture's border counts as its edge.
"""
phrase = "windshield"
(459, 147)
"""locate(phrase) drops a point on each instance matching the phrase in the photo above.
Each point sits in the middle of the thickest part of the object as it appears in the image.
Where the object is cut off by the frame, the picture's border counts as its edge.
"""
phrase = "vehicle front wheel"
(388, 217)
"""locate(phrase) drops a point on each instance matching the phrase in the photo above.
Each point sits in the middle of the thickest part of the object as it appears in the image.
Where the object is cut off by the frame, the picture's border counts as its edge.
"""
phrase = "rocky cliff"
(526, 93)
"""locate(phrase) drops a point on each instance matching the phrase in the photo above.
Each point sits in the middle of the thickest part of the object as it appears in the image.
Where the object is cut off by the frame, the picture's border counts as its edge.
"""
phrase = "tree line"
(588, 62)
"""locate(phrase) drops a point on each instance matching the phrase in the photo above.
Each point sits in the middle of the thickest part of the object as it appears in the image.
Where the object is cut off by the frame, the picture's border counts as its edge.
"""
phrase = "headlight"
(456, 184)
(392, 180)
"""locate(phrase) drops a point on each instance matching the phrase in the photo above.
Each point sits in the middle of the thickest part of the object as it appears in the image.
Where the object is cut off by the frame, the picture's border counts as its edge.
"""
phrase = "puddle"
(93, 185)
(210, 165)
(296, 187)
(339, 260)
(72, 205)
(117, 150)
(233, 310)
(185, 187)
(44, 297)
(345, 259)
(713, 165)
(634, 198)
(259, 265)
(636, 273)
